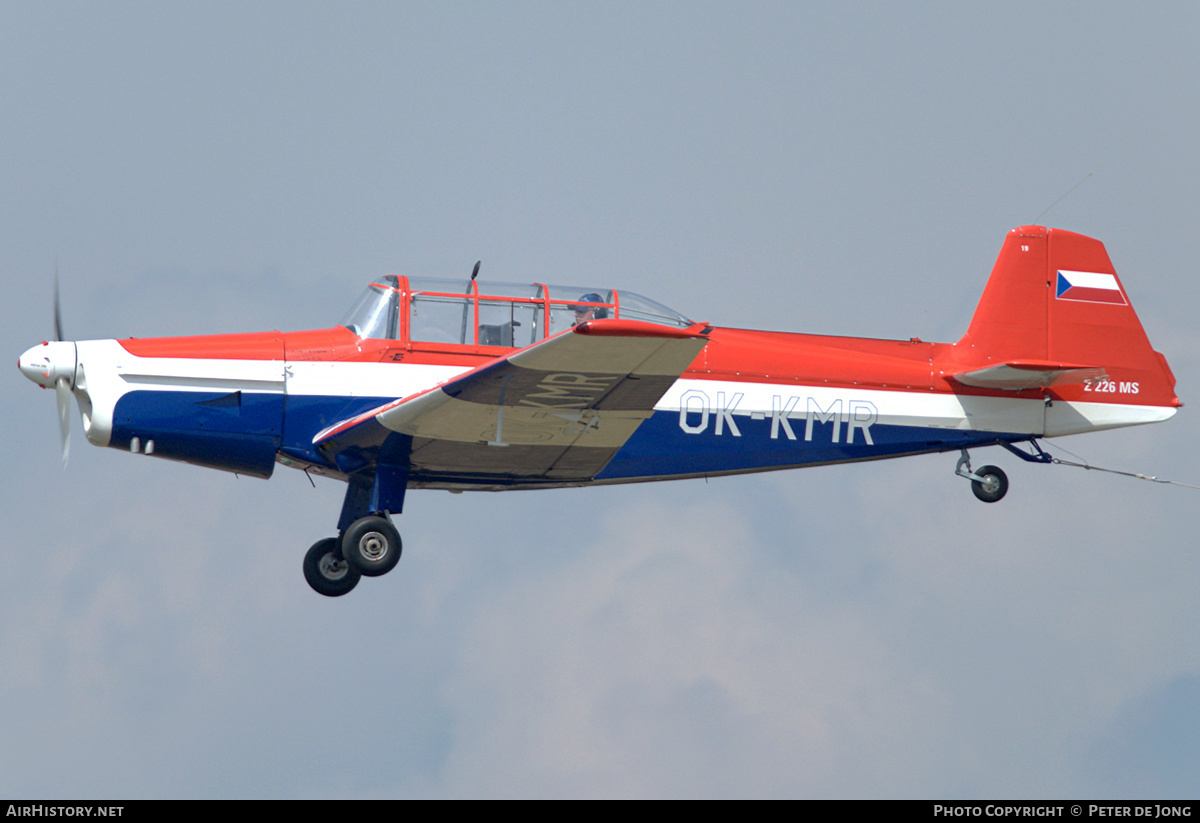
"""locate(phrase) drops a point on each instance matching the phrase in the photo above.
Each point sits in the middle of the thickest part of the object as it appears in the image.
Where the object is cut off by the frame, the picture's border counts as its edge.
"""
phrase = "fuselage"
(751, 401)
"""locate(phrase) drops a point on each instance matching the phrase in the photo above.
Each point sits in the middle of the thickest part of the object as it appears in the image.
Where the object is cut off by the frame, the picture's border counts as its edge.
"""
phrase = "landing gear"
(993, 486)
(326, 571)
(989, 483)
(367, 544)
(372, 545)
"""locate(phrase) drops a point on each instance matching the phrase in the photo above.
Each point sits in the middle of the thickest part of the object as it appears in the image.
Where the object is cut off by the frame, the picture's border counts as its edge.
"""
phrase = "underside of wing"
(555, 412)
(1019, 375)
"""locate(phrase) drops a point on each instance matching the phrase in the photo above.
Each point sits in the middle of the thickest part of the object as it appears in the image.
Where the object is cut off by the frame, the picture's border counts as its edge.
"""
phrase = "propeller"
(58, 335)
(62, 386)
(54, 364)
(62, 390)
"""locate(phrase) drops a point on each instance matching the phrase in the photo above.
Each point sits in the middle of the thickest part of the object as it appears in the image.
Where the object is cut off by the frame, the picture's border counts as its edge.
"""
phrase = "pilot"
(586, 313)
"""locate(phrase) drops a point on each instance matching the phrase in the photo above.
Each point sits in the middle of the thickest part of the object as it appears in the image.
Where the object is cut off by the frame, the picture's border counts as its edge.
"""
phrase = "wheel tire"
(326, 571)
(993, 486)
(372, 546)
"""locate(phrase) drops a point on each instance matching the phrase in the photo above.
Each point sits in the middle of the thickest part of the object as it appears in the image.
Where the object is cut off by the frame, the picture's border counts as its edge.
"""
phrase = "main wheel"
(371, 545)
(326, 571)
(993, 486)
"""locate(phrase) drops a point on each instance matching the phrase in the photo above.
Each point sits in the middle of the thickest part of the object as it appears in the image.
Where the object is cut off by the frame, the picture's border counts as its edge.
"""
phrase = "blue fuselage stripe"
(661, 446)
(244, 431)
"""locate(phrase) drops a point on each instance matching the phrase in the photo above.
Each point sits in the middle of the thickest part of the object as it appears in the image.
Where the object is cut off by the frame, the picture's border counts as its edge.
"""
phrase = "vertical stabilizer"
(1010, 321)
(1055, 306)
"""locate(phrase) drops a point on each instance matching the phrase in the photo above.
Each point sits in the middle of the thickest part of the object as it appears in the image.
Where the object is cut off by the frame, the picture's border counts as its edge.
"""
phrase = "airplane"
(457, 385)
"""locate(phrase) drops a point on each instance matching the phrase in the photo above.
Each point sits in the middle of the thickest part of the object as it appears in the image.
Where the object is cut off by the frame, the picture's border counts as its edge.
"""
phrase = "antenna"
(1038, 219)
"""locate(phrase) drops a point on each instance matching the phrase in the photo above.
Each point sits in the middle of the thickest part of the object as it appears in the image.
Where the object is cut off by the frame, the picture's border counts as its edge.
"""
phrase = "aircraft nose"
(47, 362)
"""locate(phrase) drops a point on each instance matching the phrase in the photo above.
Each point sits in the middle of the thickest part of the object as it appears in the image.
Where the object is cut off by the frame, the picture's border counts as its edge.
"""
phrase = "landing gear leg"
(989, 484)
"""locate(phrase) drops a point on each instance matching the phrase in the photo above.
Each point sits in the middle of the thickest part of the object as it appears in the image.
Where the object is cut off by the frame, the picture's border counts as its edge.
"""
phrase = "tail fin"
(1055, 313)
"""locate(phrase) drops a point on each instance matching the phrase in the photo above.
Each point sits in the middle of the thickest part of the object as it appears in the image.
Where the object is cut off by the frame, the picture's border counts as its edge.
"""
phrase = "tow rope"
(1136, 475)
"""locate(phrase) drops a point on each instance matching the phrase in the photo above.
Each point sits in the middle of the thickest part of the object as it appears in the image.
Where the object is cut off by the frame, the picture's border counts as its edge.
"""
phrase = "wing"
(1017, 375)
(552, 413)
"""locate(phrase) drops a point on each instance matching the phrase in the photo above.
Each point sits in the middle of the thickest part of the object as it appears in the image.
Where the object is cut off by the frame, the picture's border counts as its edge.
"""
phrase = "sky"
(855, 631)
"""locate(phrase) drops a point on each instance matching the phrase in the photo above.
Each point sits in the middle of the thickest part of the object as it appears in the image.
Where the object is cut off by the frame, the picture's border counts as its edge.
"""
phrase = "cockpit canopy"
(465, 312)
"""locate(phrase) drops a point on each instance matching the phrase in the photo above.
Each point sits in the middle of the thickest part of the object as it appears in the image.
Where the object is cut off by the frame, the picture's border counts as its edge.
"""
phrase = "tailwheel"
(991, 485)
(326, 571)
(371, 545)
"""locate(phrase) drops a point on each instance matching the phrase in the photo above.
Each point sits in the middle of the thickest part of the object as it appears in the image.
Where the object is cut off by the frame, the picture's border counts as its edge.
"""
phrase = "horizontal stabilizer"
(1019, 375)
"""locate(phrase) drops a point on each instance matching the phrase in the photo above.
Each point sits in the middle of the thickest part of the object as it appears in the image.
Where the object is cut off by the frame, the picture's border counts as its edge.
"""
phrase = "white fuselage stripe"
(905, 408)
(109, 371)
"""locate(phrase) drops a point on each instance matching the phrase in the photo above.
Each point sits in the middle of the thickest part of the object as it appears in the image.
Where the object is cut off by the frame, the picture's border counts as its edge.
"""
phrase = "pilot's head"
(586, 313)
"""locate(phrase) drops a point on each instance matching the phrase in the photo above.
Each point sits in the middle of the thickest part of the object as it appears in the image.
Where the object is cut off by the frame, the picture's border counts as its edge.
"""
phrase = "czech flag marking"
(1089, 287)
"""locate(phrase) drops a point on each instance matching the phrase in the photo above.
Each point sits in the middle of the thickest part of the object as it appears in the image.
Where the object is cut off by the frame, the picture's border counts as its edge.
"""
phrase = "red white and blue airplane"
(458, 385)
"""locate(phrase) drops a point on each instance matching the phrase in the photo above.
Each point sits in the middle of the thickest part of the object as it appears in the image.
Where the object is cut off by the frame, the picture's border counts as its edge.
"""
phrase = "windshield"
(377, 312)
